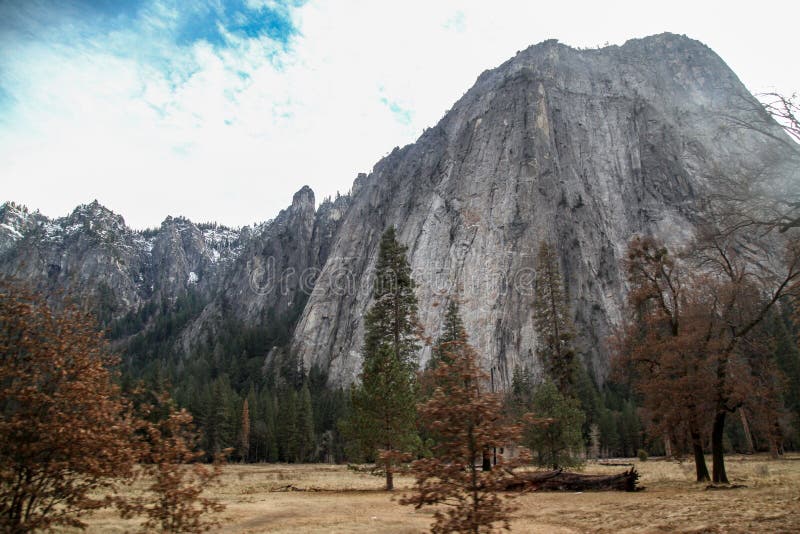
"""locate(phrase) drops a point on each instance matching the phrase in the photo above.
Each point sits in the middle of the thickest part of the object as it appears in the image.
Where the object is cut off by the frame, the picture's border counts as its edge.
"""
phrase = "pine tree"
(520, 397)
(453, 330)
(305, 426)
(594, 441)
(384, 414)
(286, 423)
(244, 435)
(255, 446)
(467, 421)
(552, 321)
(270, 402)
(559, 440)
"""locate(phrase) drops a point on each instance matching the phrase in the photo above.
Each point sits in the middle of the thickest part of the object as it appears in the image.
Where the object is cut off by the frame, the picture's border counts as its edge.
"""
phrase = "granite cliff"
(583, 148)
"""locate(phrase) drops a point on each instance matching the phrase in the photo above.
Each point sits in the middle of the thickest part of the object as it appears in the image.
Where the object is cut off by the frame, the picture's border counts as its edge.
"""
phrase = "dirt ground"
(323, 498)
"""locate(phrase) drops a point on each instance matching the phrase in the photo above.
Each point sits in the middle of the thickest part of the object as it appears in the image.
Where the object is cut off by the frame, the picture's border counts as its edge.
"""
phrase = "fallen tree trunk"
(564, 481)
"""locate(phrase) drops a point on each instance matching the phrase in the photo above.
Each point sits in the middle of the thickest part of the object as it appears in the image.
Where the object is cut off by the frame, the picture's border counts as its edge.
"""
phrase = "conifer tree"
(520, 397)
(269, 403)
(384, 415)
(467, 420)
(453, 330)
(255, 445)
(305, 425)
(558, 441)
(244, 436)
(286, 424)
(552, 321)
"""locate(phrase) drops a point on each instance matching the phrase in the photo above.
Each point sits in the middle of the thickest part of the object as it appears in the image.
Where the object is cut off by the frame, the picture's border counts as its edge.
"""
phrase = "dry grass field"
(324, 498)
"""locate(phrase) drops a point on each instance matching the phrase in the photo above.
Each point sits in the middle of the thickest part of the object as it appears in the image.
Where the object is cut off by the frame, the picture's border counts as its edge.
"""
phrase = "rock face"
(583, 148)
(92, 255)
(275, 271)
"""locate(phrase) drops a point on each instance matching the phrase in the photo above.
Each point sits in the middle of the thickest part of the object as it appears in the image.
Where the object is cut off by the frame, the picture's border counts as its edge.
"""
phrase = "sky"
(220, 110)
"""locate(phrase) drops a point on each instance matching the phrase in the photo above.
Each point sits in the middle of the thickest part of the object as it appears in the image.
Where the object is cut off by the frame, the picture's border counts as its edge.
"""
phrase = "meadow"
(320, 498)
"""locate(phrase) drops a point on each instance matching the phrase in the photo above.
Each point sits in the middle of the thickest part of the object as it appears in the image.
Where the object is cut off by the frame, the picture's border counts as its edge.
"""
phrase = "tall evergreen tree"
(269, 403)
(286, 425)
(552, 321)
(244, 432)
(558, 442)
(305, 426)
(384, 414)
(452, 330)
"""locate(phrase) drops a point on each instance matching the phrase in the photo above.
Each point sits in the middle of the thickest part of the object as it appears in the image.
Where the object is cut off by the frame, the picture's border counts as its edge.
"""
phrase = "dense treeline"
(706, 360)
(293, 413)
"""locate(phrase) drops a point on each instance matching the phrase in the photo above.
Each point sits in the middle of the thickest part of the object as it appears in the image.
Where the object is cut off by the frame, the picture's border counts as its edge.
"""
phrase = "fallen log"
(725, 486)
(560, 480)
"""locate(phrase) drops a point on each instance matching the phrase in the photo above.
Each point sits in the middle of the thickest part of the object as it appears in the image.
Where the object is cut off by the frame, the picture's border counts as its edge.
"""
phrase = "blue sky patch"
(209, 22)
(29, 17)
(6, 100)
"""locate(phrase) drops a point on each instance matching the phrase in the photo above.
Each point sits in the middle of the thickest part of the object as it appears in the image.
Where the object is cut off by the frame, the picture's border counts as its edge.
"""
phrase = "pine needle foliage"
(383, 419)
(552, 321)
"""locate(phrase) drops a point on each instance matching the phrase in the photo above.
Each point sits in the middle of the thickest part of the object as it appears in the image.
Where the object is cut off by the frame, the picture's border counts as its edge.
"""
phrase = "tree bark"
(699, 458)
(564, 481)
(487, 460)
(389, 477)
(717, 448)
(748, 436)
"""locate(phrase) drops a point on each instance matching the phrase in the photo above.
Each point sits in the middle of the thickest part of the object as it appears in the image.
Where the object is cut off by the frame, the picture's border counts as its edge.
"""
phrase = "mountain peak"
(303, 197)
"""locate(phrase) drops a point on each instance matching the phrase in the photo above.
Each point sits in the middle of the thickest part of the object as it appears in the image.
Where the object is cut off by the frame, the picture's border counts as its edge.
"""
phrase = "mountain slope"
(581, 148)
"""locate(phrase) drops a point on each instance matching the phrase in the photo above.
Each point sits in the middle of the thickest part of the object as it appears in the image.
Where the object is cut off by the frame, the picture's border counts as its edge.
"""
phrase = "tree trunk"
(775, 441)
(699, 458)
(389, 477)
(717, 449)
(667, 446)
(487, 461)
(559, 480)
(747, 435)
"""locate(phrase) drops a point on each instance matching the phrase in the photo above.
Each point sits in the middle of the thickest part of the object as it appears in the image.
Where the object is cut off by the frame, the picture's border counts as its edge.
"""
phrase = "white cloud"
(152, 129)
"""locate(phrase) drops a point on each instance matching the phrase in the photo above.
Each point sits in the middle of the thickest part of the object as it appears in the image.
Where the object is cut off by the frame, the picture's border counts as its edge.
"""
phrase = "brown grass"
(324, 498)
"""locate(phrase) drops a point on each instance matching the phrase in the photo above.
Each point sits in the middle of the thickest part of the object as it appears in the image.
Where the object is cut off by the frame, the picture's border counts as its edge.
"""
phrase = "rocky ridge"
(583, 148)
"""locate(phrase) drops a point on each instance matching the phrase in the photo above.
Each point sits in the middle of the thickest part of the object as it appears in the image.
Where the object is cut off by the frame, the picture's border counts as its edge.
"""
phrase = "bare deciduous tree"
(765, 196)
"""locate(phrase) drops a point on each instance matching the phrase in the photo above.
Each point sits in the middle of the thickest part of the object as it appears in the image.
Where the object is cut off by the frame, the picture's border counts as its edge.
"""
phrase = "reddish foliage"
(685, 342)
(67, 435)
(64, 428)
(170, 460)
(466, 421)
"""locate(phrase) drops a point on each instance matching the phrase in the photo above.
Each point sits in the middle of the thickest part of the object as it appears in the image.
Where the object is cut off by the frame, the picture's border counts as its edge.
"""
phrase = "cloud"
(221, 110)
